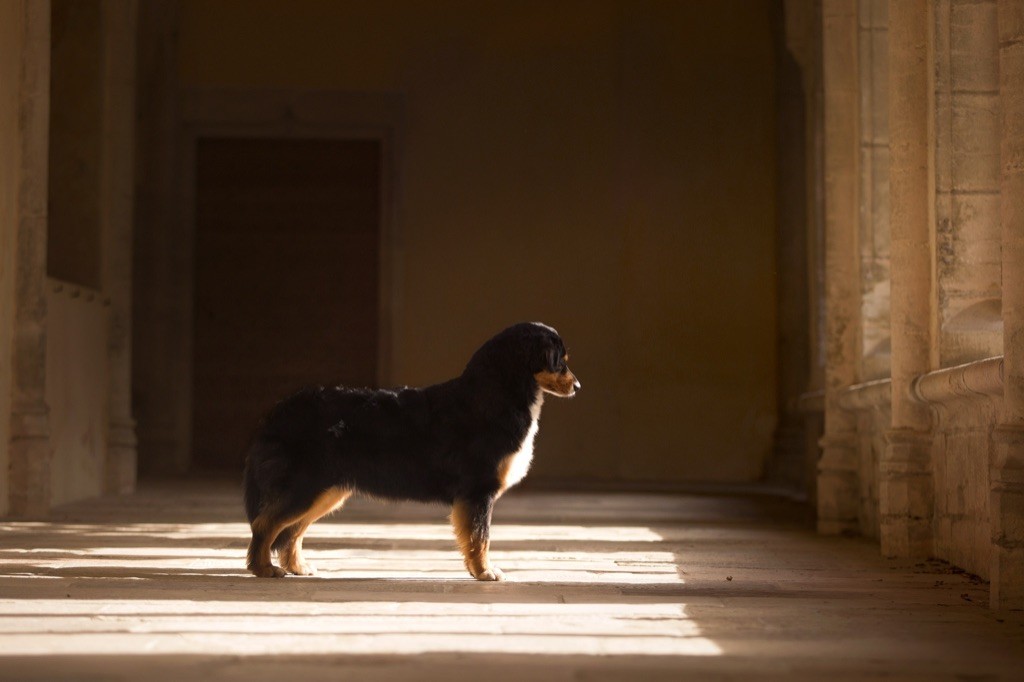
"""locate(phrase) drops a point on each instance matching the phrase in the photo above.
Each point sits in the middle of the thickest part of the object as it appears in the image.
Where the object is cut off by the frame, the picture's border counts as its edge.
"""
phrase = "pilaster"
(118, 24)
(30, 452)
(905, 489)
(837, 470)
(161, 258)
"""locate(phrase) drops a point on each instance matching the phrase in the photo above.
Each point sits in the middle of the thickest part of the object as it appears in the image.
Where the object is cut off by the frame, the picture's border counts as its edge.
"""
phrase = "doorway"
(287, 261)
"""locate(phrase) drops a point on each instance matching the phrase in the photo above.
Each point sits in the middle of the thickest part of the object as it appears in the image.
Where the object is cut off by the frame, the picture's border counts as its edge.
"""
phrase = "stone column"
(1007, 474)
(905, 489)
(118, 24)
(30, 453)
(837, 469)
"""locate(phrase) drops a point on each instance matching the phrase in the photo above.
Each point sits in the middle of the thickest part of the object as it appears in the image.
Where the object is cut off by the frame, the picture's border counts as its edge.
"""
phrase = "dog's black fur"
(461, 443)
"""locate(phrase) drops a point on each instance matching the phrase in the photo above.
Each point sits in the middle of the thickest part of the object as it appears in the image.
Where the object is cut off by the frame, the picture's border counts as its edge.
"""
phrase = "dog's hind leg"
(471, 519)
(289, 542)
(265, 529)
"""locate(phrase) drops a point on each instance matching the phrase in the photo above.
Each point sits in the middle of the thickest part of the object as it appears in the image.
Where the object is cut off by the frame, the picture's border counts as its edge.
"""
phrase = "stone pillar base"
(30, 456)
(906, 494)
(122, 459)
(1006, 514)
(838, 486)
(1007, 587)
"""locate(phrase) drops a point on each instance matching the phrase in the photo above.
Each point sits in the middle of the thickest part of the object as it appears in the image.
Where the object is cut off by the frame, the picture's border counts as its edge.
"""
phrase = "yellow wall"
(606, 167)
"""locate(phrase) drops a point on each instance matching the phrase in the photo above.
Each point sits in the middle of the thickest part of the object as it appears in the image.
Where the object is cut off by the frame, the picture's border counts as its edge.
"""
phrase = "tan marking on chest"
(514, 467)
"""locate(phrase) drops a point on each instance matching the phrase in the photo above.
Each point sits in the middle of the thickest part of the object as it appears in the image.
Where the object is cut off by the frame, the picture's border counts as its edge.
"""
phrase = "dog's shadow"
(215, 584)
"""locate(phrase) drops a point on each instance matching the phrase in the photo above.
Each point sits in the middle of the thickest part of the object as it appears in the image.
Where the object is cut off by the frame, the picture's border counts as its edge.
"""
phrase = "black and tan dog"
(462, 443)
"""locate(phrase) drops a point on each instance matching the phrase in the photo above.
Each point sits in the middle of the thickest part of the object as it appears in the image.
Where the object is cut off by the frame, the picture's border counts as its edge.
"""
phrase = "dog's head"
(550, 362)
(530, 346)
(542, 349)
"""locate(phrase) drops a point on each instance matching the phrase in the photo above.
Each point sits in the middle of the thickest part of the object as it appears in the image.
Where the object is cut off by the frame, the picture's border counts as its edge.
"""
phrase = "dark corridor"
(286, 282)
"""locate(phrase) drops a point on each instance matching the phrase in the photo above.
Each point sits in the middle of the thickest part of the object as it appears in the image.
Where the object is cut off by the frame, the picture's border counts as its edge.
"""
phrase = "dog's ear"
(552, 357)
(552, 351)
(536, 353)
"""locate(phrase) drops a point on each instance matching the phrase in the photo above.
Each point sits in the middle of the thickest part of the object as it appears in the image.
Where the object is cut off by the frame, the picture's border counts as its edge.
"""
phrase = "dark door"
(287, 235)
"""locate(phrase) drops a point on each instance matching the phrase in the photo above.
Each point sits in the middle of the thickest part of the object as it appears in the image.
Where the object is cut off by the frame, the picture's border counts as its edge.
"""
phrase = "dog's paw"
(268, 571)
(302, 568)
(492, 574)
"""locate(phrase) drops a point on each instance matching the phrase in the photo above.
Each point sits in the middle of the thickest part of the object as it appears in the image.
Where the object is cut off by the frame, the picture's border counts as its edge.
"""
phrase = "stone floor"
(601, 587)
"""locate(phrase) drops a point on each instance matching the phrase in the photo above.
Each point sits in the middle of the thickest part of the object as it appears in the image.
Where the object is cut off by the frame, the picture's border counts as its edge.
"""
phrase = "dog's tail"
(251, 490)
(263, 478)
(262, 469)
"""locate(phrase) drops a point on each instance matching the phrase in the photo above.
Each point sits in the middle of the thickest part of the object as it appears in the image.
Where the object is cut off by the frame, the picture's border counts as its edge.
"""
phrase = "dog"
(462, 443)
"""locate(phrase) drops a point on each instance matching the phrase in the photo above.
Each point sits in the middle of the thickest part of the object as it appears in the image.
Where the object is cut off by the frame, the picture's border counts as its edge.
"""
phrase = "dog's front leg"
(471, 519)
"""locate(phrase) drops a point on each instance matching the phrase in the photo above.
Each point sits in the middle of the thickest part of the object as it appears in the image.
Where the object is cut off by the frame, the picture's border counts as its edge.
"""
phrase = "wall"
(607, 167)
(10, 159)
(77, 389)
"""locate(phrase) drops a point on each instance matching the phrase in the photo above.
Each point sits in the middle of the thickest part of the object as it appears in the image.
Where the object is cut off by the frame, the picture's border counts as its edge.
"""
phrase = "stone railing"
(965, 405)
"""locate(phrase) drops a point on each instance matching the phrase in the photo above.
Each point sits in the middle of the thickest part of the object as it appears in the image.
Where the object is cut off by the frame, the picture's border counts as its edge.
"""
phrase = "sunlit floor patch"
(377, 627)
(368, 597)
